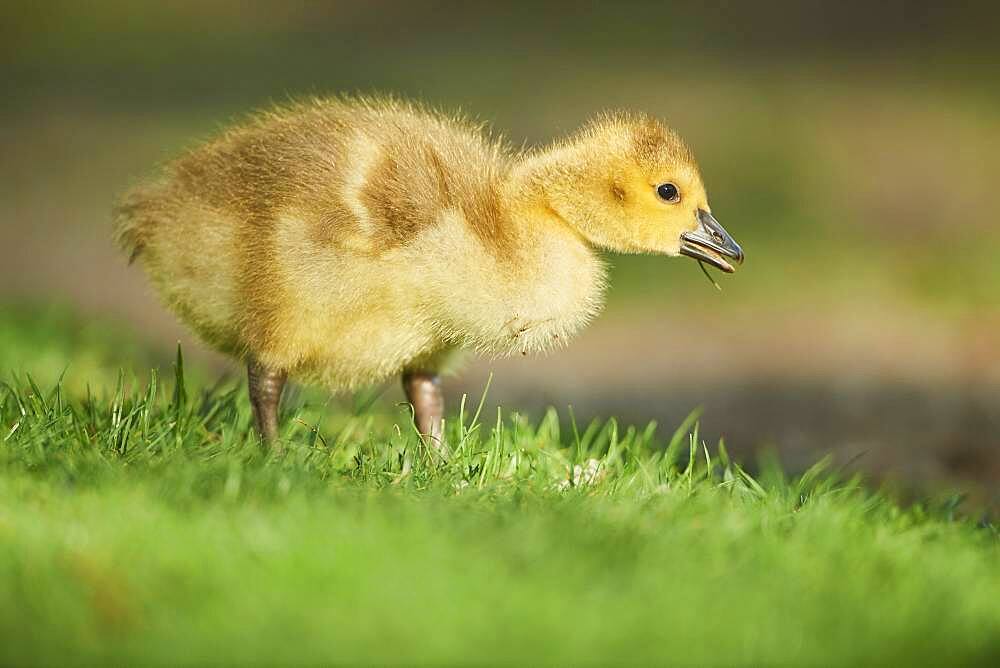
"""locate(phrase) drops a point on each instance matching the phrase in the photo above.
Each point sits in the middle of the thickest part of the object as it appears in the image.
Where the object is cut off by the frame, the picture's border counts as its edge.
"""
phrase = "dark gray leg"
(265, 394)
(423, 391)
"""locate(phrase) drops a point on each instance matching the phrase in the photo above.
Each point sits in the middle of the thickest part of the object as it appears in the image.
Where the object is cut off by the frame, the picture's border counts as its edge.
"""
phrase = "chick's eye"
(668, 192)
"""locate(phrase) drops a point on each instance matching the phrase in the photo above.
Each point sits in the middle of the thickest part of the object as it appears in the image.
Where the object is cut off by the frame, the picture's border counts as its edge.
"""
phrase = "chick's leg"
(423, 391)
(265, 388)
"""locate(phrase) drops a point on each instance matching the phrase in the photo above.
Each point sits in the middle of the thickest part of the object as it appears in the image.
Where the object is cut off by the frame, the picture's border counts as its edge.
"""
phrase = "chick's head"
(630, 184)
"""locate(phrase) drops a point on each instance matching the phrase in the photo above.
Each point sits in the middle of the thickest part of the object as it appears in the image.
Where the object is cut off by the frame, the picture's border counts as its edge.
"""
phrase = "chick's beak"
(711, 243)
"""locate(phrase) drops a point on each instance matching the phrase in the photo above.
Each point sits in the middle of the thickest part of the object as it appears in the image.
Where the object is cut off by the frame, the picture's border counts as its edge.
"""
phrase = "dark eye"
(668, 192)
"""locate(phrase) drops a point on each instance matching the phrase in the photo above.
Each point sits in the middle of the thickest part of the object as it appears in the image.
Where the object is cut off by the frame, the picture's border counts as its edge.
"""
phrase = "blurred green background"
(852, 148)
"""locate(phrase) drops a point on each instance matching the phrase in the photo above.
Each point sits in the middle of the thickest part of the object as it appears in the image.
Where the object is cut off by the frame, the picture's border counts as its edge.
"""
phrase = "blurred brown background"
(852, 148)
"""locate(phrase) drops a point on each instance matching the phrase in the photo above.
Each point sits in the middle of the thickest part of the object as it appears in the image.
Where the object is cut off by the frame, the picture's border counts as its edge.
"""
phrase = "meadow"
(141, 522)
(850, 365)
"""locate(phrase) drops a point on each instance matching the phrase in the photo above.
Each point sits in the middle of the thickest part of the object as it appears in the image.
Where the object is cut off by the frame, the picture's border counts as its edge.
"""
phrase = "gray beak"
(712, 244)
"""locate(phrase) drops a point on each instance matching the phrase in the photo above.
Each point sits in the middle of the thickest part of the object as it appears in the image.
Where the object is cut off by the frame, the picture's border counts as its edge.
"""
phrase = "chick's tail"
(136, 214)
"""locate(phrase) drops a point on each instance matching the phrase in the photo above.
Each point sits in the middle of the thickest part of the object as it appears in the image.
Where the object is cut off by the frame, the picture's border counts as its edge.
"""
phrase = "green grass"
(140, 522)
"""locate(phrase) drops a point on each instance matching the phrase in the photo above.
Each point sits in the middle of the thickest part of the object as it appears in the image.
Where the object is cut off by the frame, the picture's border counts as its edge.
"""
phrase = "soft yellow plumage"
(346, 240)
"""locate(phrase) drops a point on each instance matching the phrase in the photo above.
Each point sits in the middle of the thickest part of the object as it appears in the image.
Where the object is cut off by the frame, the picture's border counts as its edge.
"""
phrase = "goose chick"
(342, 241)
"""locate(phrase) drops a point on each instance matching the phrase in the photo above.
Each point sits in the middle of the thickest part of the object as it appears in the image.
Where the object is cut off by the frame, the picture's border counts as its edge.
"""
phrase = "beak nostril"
(710, 243)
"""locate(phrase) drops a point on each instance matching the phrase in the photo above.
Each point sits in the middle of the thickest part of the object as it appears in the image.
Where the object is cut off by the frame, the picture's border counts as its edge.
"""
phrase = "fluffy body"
(344, 240)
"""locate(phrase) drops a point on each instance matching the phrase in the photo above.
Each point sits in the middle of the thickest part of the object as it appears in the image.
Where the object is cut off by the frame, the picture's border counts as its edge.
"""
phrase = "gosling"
(343, 241)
